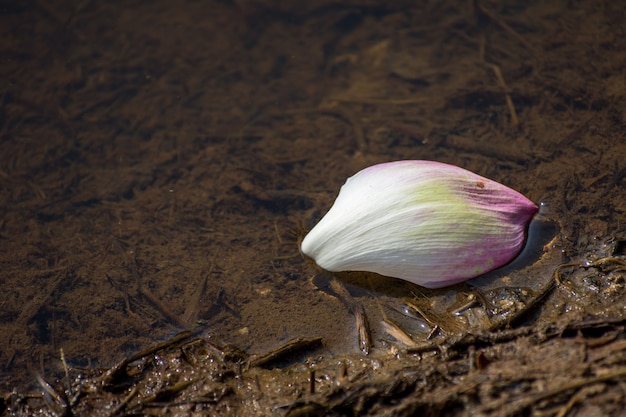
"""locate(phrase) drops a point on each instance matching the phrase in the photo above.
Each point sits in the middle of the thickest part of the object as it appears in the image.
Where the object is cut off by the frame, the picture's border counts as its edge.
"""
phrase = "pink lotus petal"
(426, 222)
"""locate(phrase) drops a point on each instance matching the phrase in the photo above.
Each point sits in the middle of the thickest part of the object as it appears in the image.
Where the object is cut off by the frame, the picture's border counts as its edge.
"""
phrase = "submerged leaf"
(426, 222)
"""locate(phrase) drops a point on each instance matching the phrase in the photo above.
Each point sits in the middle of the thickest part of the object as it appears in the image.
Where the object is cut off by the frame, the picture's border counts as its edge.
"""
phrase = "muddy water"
(159, 162)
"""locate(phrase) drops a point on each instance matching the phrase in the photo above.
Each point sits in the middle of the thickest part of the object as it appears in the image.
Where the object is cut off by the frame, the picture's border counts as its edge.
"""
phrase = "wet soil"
(159, 162)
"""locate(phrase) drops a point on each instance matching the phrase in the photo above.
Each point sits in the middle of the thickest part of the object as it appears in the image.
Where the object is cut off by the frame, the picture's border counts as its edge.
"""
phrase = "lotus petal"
(426, 222)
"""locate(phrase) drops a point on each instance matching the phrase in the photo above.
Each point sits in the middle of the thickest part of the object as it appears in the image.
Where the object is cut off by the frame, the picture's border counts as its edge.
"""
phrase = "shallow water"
(159, 162)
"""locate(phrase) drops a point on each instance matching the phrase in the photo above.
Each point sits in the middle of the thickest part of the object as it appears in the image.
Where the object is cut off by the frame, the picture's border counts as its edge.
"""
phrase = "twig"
(363, 329)
(482, 9)
(191, 312)
(120, 368)
(397, 333)
(291, 346)
(509, 101)
(529, 306)
(124, 402)
(163, 308)
(362, 324)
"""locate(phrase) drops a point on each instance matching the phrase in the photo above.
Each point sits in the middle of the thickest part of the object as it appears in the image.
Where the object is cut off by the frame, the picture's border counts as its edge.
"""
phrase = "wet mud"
(160, 161)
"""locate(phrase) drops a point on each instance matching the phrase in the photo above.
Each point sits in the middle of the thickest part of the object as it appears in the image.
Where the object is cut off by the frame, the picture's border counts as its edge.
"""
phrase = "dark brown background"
(159, 160)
